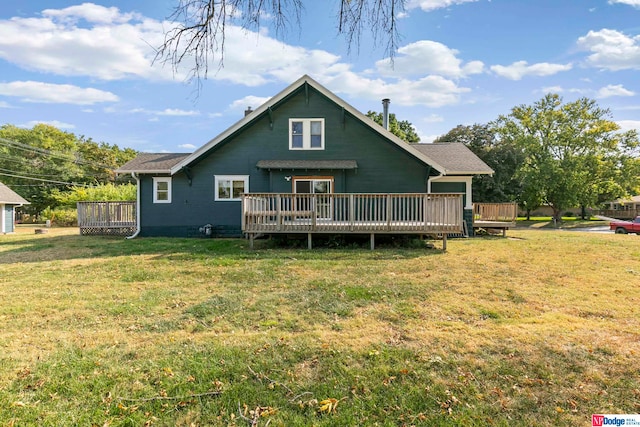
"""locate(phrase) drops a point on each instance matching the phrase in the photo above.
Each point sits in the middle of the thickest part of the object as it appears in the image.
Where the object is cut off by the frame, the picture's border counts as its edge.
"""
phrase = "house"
(304, 140)
(9, 200)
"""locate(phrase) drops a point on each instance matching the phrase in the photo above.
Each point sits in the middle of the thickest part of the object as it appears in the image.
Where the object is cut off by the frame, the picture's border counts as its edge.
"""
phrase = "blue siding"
(382, 167)
(8, 218)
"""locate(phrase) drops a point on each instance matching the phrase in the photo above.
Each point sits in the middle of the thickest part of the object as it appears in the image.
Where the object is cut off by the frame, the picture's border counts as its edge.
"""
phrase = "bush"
(569, 214)
(62, 217)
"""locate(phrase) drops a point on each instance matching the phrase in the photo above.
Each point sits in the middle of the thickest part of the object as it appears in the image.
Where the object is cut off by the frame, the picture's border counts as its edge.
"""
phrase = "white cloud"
(626, 125)
(614, 90)
(30, 91)
(611, 50)
(177, 112)
(430, 91)
(248, 101)
(166, 112)
(5, 105)
(109, 45)
(428, 5)
(187, 146)
(427, 57)
(55, 123)
(634, 3)
(520, 69)
(91, 13)
(433, 118)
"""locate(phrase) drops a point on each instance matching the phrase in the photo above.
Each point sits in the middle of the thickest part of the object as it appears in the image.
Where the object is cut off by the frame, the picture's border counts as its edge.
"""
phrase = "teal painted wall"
(8, 218)
(382, 167)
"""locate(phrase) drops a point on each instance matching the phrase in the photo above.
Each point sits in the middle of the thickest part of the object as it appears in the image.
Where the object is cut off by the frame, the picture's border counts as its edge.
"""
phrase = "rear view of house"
(303, 141)
(9, 200)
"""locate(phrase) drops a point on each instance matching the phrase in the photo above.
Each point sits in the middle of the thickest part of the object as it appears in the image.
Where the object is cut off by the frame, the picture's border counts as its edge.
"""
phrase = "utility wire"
(43, 180)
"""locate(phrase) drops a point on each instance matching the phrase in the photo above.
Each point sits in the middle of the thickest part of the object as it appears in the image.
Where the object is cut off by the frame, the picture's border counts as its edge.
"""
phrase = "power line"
(43, 180)
(36, 150)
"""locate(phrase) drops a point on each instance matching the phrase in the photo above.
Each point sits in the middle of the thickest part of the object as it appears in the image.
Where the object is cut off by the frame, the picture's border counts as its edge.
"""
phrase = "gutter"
(134, 235)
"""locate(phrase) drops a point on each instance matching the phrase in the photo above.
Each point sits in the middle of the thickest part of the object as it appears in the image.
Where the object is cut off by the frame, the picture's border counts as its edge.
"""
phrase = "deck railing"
(106, 217)
(498, 212)
(352, 213)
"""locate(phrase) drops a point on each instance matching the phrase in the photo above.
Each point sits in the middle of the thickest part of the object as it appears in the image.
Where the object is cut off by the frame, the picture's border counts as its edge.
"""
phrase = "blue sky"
(87, 67)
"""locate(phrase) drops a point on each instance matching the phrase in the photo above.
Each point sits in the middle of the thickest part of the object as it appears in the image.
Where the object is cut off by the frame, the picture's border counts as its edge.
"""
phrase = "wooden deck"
(352, 213)
(501, 216)
(107, 218)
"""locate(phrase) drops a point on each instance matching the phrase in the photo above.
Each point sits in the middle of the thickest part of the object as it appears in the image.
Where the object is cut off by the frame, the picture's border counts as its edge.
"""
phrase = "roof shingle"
(455, 157)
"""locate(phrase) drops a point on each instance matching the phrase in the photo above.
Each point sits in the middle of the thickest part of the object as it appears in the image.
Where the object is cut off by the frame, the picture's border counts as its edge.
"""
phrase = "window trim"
(306, 133)
(156, 181)
(232, 178)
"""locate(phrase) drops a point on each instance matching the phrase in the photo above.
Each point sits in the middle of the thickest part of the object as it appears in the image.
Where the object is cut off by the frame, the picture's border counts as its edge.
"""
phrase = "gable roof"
(455, 157)
(152, 163)
(305, 79)
(10, 197)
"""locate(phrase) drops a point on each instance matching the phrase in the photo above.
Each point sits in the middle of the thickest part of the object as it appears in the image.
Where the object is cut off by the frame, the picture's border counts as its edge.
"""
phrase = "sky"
(88, 68)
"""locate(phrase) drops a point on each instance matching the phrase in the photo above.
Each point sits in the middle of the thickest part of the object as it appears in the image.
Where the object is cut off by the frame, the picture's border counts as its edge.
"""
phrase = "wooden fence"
(107, 218)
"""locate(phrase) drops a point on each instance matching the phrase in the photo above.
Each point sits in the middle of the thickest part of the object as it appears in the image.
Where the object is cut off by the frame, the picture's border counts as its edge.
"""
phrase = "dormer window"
(306, 134)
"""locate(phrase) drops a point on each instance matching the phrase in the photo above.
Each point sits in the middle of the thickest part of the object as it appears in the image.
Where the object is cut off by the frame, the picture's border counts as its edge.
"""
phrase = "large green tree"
(41, 162)
(573, 153)
(503, 157)
(403, 129)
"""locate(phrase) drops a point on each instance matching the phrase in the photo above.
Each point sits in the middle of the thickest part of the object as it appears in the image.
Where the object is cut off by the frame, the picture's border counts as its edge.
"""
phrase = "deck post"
(309, 245)
(351, 211)
(444, 242)
(389, 210)
(251, 237)
(373, 241)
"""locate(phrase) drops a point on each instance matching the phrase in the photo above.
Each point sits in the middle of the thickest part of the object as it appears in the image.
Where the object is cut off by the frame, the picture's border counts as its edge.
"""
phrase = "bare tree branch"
(200, 27)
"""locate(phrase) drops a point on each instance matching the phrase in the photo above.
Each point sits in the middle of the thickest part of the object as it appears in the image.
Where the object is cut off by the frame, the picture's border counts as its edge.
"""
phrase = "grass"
(540, 328)
(566, 223)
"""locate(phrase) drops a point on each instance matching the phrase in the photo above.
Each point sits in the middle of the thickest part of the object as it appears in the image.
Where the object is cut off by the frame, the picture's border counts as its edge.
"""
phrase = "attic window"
(306, 134)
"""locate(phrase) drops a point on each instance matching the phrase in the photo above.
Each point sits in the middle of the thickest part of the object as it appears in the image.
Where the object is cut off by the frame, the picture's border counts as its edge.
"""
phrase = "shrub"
(63, 217)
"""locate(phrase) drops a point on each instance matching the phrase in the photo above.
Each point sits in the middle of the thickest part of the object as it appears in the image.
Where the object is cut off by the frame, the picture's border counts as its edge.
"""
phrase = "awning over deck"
(307, 164)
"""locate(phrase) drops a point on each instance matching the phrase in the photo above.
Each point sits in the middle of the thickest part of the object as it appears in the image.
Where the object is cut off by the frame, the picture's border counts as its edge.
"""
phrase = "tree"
(42, 162)
(503, 157)
(573, 153)
(402, 129)
(200, 26)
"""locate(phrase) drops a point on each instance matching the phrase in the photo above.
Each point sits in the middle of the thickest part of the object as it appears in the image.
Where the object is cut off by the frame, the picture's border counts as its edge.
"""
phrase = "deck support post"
(251, 237)
(444, 242)
(309, 245)
(373, 241)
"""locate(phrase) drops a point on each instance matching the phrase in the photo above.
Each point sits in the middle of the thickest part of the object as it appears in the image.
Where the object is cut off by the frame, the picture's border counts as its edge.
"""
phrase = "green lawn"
(539, 328)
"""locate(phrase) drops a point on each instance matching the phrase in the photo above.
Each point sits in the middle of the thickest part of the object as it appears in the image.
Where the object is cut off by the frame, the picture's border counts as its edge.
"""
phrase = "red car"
(624, 227)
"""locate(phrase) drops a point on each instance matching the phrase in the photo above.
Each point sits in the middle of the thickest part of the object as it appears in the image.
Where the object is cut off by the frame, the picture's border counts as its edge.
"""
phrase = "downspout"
(134, 235)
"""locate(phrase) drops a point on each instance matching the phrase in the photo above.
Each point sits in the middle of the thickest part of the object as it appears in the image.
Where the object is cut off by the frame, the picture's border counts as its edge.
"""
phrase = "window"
(306, 134)
(230, 187)
(161, 190)
(322, 186)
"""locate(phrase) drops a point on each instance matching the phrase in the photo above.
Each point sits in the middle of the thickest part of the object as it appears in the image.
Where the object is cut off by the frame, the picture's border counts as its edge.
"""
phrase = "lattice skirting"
(107, 231)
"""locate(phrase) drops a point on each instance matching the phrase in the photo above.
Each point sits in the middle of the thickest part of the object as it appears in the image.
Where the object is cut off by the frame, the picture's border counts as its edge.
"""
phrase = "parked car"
(624, 227)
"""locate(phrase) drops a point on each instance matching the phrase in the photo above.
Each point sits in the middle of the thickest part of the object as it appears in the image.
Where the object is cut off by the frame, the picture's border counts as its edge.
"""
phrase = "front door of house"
(322, 187)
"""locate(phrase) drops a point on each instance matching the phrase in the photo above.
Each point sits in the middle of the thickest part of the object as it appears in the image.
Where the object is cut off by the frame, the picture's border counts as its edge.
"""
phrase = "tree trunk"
(557, 216)
(528, 214)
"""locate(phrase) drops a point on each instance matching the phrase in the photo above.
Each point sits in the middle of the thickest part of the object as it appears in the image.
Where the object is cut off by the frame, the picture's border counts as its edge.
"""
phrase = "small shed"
(9, 200)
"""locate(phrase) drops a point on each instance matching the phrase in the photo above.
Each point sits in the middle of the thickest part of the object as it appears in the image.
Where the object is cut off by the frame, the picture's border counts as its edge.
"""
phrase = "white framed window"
(306, 134)
(161, 189)
(230, 187)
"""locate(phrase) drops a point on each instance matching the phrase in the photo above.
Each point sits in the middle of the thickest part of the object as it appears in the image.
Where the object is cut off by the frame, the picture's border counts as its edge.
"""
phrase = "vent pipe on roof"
(385, 113)
(248, 111)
